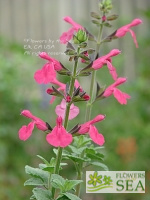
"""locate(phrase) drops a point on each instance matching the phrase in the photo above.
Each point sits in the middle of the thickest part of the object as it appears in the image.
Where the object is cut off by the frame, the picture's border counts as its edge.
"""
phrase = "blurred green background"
(126, 128)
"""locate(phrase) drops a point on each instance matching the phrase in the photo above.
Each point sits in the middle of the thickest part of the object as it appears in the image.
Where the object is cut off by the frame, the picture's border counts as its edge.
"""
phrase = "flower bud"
(80, 37)
(68, 98)
(105, 5)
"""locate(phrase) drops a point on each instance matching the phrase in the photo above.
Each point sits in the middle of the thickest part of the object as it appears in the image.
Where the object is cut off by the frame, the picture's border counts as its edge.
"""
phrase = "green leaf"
(100, 165)
(37, 173)
(92, 154)
(43, 159)
(81, 141)
(34, 181)
(49, 169)
(71, 196)
(41, 194)
(70, 184)
(95, 22)
(95, 15)
(77, 150)
(76, 158)
(57, 181)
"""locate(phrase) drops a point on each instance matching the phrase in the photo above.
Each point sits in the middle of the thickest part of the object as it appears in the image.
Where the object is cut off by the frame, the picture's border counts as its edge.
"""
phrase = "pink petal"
(26, 131)
(134, 38)
(85, 127)
(97, 137)
(45, 75)
(40, 124)
(28, 114)
(66, 36)
(135, 22)
(112, 70)
(108, 92)
(73, 23)
(121, 96)
(59, 137)
(98, 63)
(60, 110)
(73, 112)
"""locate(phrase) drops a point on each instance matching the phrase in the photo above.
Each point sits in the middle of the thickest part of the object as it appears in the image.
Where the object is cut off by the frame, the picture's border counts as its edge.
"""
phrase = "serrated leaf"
(103, 166)
(76, 158)
(92, 154)
(41, 194)
(77, 150)
(49, 169)
(57, 181)
(37, 173)
(70, 184)
(34, 181)
(43, 159)
(81, 141)
(71, 196)
(32, 197)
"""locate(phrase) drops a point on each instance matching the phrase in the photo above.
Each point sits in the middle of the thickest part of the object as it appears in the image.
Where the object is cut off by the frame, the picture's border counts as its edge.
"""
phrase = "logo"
(115, 182)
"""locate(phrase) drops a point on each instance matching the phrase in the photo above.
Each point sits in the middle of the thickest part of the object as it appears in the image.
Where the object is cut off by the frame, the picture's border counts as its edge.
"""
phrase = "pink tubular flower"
(86, 126)
(57, 65)
(100, 62)
(124, 29)
(26, 131)
(60, 110)
(59, 136)
(66, 36)
(47, 75)
(89, 127)
(120, 96)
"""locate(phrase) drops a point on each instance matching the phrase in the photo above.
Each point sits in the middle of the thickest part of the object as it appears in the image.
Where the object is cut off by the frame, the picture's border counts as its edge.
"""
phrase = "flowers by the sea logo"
(115, 182)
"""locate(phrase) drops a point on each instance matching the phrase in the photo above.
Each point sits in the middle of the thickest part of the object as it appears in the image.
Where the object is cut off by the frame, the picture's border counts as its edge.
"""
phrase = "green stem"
(89, 103)
(60, 150)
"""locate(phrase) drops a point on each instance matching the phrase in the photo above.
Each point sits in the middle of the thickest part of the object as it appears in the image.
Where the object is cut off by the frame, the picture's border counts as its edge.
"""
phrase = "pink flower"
(93, 132)
(47, 75)
(124, 29)
(56, 64)
(100, 62)
(60, 110)
(86, 126)
(26, 131)
(120, 96)
(59, 136)
(66, 36)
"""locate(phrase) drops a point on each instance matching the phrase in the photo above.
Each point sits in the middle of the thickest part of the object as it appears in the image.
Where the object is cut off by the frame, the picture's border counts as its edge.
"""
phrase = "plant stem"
(89, 103)
(59, 154)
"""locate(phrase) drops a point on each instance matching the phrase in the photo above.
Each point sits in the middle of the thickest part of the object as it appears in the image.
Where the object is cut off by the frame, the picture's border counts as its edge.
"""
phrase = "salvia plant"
(78, 144)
